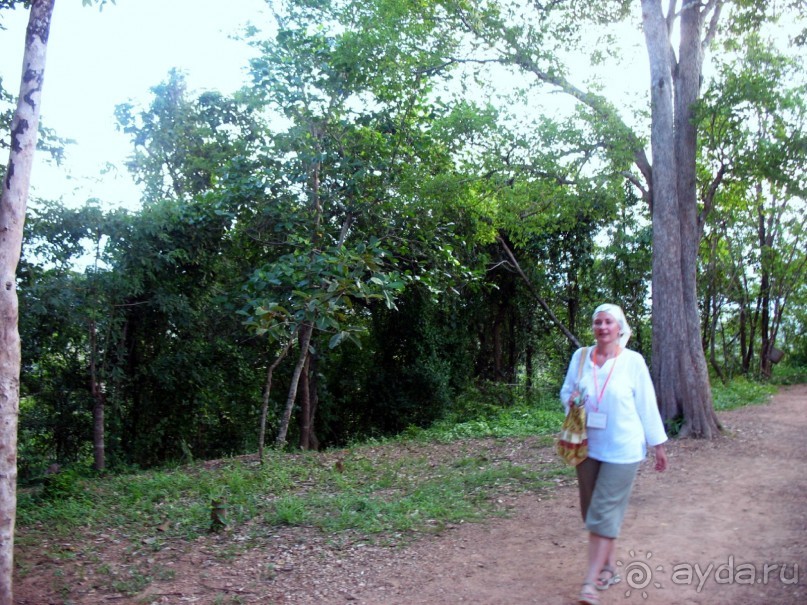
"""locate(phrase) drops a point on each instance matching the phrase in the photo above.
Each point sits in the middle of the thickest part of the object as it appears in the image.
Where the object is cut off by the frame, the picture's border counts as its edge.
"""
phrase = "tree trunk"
(99, 405)
(304, 396)
(306, 332)
(267, 391)
(678, 363)
(765, 244)
(309, 399)
(13, 204)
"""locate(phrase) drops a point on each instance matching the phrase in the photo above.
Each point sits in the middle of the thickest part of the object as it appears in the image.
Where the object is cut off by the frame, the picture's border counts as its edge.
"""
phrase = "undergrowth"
(388, 491)
(740, 392)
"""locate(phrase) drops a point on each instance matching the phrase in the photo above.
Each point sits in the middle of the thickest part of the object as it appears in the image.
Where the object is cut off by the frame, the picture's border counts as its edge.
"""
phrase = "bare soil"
(725, 524)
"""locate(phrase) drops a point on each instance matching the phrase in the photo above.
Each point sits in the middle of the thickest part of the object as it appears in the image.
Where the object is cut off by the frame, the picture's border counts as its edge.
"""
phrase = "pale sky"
(98, 59)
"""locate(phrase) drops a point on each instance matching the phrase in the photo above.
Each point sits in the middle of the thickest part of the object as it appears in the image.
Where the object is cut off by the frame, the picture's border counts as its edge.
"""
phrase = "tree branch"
(572, 338)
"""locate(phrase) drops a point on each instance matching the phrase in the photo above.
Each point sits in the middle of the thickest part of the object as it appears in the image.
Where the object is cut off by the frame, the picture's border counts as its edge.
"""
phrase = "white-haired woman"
(622, 419)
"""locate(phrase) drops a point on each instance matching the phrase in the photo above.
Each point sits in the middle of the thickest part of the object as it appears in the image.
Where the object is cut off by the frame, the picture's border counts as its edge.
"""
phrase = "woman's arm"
(647, 406)
(570, 381)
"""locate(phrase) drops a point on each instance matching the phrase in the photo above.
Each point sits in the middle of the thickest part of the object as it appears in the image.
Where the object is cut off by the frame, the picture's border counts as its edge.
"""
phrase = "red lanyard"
(594, 372)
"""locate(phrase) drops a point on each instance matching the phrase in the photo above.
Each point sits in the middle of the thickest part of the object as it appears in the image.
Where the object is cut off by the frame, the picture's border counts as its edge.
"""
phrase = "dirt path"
(725, 524)
(704, 532)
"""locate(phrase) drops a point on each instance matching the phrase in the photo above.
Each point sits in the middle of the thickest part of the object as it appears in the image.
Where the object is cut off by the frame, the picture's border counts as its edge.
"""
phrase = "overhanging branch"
(572, 338)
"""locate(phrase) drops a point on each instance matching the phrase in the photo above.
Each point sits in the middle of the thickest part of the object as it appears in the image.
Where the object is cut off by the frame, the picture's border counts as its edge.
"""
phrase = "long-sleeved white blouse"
(626, 396)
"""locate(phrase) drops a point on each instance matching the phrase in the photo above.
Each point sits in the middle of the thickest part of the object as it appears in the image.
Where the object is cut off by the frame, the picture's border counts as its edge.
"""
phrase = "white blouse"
(625, 395)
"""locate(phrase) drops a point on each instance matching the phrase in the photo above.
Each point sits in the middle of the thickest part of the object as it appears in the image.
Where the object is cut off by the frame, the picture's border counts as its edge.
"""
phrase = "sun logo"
(639, 574)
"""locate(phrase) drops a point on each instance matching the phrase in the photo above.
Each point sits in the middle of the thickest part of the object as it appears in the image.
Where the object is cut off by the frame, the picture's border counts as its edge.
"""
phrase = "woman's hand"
(661, 458)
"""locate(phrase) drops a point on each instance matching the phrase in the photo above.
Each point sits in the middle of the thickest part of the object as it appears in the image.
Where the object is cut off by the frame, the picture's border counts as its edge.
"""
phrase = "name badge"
(596, 420)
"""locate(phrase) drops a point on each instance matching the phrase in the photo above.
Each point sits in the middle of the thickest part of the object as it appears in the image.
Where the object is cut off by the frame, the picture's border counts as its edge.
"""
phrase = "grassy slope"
(389, 492)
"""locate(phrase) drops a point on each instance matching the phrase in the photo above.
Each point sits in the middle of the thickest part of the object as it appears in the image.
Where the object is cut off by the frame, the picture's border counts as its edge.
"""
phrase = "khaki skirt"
(604, 493)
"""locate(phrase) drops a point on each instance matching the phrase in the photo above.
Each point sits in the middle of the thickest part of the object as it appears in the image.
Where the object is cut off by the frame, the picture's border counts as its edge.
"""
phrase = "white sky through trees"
(98, 59)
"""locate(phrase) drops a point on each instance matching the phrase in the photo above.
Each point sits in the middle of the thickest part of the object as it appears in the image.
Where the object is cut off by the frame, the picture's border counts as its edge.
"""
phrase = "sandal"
(588, 594)
(608, 577)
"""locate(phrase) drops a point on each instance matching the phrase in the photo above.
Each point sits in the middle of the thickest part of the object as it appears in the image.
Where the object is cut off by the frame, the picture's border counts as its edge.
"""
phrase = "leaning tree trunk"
(267, 392)
(678, 365)
(13, 203)
(306, 331)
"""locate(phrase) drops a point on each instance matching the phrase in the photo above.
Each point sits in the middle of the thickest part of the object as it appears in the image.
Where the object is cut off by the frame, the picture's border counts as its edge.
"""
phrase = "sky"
(98, 59)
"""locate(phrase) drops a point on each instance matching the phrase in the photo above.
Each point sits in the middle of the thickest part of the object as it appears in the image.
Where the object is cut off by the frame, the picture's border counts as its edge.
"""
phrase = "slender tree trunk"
(306, 332)
(679, 367)
(304, 397)
(746, 332)
(267, 391)
(99, 405)
(13, 204)
(309, 399)
(765, 244)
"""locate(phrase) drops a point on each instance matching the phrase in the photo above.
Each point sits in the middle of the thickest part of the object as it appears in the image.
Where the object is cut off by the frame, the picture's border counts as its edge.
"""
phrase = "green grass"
(542, 418)
(387, 492)
(740, 392)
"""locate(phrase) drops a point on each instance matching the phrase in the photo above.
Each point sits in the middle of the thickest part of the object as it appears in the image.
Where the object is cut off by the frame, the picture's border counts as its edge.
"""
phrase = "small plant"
(289, 510)
(63, 484)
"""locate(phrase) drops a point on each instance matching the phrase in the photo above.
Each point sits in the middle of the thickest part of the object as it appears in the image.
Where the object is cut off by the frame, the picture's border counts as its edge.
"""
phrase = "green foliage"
(790, 373)
(320, 287)
(543, 418)
(183, 145)
(359, 186)
(411, 366)
(66, 484)
(754, 257)
(375, 491)
(739, 392)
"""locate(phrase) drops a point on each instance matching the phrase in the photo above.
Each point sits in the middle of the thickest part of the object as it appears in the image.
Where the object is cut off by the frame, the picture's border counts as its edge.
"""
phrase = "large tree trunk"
(13, 204)
(678, 364)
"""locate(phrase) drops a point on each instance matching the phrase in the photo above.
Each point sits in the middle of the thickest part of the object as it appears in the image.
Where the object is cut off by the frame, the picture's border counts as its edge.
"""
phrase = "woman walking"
(622, 419)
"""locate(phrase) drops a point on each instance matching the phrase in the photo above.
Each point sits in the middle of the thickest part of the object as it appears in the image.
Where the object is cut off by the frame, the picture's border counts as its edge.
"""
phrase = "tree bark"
(306, 331)
(267, 391)
(99, 405)
(679, 367)
(304, 397)
(13, 204)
